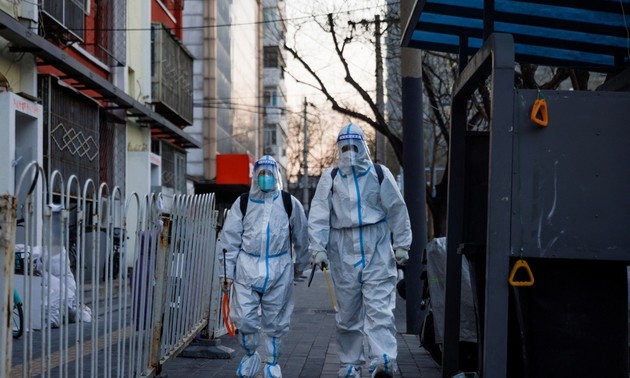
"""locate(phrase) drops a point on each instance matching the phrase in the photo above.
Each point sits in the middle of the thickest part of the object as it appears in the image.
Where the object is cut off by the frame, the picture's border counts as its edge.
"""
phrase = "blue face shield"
(266, 183)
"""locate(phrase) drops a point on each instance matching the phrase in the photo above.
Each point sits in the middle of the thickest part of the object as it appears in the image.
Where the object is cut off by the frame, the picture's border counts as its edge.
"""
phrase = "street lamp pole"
(305, 193)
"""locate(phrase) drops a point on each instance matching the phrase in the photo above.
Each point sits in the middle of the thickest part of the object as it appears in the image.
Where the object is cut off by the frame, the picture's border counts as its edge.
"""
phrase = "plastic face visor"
(349, 138)
(348, 142)
(349, 147)
(261, 163)
(265, 172)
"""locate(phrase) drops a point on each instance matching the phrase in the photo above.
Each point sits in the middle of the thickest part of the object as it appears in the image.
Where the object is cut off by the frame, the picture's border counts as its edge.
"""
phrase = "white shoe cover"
(349, 371)
(381, 372)
(272, 371)
(383, 369)
(249, 366)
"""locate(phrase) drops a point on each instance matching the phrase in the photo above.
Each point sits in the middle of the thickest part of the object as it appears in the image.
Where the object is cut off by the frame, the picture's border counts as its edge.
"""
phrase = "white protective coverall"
(354, 219)
(259, 260)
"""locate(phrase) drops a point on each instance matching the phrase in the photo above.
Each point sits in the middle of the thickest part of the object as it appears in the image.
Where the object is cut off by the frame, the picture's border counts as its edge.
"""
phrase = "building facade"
(275, 127)
(100, 90)
(226, 39)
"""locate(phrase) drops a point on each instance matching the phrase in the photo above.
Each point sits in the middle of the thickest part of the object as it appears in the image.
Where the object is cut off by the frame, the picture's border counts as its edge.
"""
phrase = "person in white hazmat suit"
(355, 214)
(259, 265)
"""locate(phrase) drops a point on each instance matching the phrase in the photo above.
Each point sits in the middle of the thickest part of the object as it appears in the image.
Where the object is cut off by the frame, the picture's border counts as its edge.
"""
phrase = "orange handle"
(225, 310)
(539, 113)
(521, 264)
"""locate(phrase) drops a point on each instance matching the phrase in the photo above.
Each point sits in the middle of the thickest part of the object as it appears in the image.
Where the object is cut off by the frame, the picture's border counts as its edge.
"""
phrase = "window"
(283, 141)
(272, 24)
(173, 165)
(269, 139)
(266, 98)
(269, 136)
(270, 14)
(68, 13)
(109, 38)
(270, 98)
(270, 58)
(180, 173)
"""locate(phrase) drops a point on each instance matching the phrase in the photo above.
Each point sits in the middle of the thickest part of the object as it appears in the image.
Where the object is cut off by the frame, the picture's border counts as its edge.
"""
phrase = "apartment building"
(275, 127)
(97, 89)
(105, 71)
(226, 40)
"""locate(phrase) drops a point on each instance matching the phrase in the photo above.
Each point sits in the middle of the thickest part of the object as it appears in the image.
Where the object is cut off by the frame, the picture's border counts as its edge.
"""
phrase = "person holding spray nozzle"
(256, 248)
(356, 214)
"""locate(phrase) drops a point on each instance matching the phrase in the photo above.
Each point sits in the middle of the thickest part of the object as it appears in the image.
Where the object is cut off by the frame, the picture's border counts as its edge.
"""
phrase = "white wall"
(193, 38)
(138, 172)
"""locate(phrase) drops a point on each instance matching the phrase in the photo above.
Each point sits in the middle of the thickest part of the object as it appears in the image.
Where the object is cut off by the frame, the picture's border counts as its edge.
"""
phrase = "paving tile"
(310, 347)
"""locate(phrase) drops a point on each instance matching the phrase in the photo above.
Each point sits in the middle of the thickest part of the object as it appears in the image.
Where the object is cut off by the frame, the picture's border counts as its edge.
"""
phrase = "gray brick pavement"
(310, 349)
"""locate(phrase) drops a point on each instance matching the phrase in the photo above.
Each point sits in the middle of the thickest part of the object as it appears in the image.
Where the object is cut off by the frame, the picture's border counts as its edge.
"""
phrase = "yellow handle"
(539, 113)
(521, 264)
(330, 290)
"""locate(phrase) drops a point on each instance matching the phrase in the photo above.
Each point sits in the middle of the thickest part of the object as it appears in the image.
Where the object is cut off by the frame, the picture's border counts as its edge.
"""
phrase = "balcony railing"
(172, 76)
(69, 14)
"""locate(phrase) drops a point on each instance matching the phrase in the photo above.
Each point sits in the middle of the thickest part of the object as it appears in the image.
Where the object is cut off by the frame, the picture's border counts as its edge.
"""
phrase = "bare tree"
(375, 118)
(439, 73)
(321, 144)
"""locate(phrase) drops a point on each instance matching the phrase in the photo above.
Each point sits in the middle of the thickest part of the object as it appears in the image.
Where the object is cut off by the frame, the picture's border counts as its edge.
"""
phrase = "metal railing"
(112, 286)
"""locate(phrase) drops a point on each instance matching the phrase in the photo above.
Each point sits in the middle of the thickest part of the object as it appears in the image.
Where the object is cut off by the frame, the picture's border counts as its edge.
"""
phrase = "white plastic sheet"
(58, 280)
(436, 271)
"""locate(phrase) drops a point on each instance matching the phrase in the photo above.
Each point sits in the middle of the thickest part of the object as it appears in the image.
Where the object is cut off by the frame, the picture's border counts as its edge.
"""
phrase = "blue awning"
(584, 34)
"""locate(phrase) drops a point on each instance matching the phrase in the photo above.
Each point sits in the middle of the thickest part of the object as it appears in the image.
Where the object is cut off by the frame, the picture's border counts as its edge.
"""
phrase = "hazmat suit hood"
(266, 178)
(352, 150)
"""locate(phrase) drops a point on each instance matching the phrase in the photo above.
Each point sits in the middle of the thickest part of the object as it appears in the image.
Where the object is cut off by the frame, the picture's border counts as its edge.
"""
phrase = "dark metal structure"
(554, 196)
(592, 35)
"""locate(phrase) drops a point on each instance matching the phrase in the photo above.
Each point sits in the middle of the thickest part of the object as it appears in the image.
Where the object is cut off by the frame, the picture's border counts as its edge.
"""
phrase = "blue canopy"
(586, 34)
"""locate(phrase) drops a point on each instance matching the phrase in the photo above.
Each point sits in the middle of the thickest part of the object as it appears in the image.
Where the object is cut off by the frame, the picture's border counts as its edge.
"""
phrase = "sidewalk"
(310, 349)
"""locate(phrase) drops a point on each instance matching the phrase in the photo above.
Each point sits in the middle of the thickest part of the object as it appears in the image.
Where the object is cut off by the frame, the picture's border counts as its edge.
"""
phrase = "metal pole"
(160, 276)
(8, 208)
(415, 182)
(305, 193)
(380, 139)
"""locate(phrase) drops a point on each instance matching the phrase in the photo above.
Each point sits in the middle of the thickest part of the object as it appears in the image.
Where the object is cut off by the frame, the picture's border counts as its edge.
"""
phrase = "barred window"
(270, 56)
(69, 13)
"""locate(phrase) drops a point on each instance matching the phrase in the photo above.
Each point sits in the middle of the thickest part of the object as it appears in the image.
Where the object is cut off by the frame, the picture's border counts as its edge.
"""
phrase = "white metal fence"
(112, 286)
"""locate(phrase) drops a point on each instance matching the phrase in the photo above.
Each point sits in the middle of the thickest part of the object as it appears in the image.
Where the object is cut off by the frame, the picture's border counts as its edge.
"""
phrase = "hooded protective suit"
(354, 218)
(259, 260)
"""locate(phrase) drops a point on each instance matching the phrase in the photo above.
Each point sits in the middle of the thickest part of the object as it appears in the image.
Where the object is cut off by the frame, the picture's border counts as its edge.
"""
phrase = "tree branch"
(378, 122)
(428, 86)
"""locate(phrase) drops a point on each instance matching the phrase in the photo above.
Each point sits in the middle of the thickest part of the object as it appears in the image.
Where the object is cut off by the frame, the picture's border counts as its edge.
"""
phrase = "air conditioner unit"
(269, 151)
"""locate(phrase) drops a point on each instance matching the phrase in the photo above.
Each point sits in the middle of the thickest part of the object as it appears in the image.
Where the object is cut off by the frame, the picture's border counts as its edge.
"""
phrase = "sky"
(316, 47)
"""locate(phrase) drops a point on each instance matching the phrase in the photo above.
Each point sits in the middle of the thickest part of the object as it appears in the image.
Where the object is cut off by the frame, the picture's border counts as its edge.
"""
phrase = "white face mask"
(349, 154)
